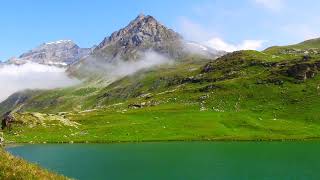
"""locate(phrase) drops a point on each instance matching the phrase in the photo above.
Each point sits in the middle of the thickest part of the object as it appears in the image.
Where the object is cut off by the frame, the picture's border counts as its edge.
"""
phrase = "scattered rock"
(310, 51)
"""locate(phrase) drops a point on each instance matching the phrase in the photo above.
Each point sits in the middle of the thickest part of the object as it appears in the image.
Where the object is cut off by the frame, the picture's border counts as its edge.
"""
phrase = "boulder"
(7, 120)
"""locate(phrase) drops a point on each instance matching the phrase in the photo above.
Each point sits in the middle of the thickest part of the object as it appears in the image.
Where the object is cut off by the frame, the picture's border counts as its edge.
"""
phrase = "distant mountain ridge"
(59, 53)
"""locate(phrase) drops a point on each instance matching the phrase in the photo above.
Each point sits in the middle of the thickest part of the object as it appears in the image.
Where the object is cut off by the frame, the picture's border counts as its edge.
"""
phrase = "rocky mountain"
(146, 33)
(143, 34)
(59, 53)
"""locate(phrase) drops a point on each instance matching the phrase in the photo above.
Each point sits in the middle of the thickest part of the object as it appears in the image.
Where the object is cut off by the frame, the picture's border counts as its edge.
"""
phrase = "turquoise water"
(177, 160)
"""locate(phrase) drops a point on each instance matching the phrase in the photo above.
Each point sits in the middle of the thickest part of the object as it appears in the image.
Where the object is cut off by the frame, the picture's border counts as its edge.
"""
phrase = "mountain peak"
(143, 18)
(142, 22)
(141, 34)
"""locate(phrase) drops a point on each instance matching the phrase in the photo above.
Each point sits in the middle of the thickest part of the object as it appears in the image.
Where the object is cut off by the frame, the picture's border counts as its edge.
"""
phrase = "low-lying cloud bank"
(148, 60)
(15, 78)
(117, 69)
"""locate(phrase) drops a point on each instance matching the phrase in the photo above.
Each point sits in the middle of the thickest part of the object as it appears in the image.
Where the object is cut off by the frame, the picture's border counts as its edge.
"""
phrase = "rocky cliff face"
(59, 53)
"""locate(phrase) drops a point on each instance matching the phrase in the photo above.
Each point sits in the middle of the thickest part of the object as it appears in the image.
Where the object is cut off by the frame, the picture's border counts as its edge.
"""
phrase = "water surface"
(178, 160)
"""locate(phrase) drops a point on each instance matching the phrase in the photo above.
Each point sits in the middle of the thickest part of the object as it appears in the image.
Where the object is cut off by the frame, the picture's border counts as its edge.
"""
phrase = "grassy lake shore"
(16, 168)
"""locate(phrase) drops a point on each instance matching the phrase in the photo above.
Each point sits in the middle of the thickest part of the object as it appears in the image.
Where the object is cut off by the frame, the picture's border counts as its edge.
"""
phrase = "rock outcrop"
(304, 71)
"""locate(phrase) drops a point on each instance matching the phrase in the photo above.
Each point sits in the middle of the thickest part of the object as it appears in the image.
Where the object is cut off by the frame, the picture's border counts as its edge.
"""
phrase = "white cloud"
(196, 32)
(220, 44)
(274, 5)
(15, 78)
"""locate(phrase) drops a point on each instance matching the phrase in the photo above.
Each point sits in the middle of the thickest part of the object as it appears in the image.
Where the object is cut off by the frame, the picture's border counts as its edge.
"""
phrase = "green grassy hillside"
(246, 95)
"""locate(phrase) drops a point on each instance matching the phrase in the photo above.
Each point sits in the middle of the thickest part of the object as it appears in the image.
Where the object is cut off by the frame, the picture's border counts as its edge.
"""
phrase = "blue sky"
(230, 25)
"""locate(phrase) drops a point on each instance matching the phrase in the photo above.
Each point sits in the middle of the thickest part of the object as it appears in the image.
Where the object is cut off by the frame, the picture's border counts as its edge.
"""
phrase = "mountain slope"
(246, 95)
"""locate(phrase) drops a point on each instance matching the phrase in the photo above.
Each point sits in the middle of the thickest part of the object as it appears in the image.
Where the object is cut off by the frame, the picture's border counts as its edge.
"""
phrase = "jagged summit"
(143, 33)
(140, 17)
